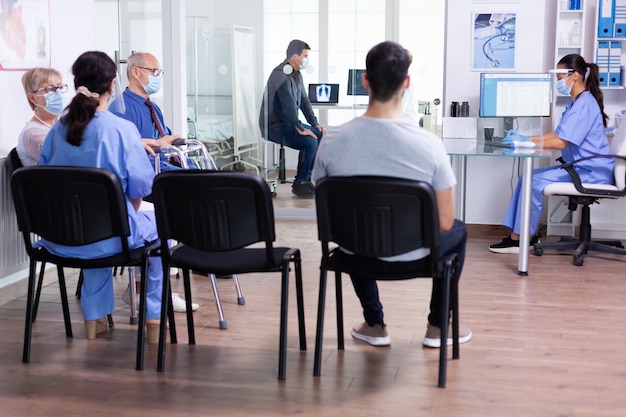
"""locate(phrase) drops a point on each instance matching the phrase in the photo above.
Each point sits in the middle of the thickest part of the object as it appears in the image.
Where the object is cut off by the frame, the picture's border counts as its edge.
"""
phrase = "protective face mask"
(305, 63)
(153, 86)
(54, 102)
(563, 88)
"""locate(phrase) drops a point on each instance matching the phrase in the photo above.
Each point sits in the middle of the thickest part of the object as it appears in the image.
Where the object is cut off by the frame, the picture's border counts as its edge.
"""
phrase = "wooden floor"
(550, 345)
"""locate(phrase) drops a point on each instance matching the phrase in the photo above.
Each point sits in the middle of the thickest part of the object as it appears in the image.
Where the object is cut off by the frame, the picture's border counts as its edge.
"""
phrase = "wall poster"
(493, 41)
(24, 34)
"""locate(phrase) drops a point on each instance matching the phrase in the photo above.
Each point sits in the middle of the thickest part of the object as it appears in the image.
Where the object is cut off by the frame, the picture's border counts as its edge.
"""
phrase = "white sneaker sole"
(374, 341)
(512, 249)
(435, 343)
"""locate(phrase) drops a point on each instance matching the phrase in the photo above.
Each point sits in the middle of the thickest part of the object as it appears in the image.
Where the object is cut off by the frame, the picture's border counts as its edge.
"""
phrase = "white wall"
(71, 33)
(534, 43)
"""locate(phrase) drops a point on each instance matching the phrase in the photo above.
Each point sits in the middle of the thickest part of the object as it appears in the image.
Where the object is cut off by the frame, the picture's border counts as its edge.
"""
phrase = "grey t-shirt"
(385, 147)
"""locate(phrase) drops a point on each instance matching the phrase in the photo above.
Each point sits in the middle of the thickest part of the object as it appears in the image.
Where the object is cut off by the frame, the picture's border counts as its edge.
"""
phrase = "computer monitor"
(355, 86)
(514, 95)
(324, 93)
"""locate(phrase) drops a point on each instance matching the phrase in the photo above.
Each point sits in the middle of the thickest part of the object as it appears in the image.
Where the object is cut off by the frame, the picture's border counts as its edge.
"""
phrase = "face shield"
(559, 80)
(117, 100)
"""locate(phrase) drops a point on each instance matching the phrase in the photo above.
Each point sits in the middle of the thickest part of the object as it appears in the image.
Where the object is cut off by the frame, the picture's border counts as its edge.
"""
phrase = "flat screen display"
(514, 95)
(355, 87)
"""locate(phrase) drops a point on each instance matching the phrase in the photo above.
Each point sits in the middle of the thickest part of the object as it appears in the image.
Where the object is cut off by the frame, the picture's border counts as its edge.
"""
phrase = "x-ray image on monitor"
(355, 86)
(324, 93)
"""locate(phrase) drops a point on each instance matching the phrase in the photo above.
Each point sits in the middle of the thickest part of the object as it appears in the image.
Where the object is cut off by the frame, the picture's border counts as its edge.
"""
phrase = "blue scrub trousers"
(307, 146)
(542, 177)
(451, 241)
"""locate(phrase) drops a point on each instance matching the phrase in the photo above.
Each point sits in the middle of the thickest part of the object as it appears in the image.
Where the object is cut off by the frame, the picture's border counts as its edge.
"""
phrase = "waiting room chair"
(14, 163)
(376, 217)
(215, 217)
(585, 195)
(59, 204)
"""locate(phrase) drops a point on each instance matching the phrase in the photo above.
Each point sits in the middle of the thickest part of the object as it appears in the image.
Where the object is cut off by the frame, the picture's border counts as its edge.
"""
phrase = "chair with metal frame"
(585, 195)
(376, 217)
(58, 204)
(215, 216)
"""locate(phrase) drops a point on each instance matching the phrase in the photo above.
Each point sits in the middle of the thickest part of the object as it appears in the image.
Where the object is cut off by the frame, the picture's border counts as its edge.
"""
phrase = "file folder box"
(606, 18)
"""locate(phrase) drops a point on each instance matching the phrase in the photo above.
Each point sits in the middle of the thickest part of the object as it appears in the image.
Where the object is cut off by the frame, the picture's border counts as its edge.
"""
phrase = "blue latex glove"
(514, 136)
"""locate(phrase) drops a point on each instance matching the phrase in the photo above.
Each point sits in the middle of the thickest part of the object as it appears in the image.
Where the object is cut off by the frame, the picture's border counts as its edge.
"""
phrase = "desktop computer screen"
(514, 95)
(355, 87)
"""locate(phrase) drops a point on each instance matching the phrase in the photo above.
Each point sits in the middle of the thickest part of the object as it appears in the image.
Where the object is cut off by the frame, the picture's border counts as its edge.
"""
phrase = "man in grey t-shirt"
(381, 143)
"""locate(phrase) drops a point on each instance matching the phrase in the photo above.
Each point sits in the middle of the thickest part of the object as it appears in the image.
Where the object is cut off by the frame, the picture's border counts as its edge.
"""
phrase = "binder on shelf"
(602, 60)
(606, 8)
(619, 15)
(615, 63)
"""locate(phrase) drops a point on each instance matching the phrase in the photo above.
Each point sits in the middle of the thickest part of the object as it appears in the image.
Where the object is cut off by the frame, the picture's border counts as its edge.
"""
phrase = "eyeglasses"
(157, 72)
(52, 88)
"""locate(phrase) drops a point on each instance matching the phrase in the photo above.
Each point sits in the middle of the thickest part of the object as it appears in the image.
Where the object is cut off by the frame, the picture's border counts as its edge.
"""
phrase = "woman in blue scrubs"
(91, 136)
(580, 133)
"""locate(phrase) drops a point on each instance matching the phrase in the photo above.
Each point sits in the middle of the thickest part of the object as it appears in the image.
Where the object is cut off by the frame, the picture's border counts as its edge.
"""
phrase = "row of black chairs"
(218, 219)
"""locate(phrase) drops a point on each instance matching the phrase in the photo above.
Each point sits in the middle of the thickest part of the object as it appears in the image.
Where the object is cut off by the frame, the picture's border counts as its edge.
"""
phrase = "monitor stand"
(508, 124)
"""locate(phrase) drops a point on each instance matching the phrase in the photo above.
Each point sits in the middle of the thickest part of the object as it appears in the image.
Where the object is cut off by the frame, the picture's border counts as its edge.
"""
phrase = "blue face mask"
(305, 63)
(54, 102)
(153, 86)
(563, 88)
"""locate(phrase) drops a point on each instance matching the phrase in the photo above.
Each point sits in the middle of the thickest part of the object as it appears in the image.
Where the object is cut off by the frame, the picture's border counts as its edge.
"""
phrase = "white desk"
(323, 110)
(460, 149)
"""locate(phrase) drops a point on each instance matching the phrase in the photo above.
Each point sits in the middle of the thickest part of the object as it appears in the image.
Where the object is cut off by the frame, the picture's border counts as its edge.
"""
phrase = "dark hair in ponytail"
(94, 71)
(592, 80)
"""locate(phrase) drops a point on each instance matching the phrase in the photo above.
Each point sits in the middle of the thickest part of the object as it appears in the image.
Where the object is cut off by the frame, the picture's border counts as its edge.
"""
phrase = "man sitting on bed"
(284, 97)
(144, 78)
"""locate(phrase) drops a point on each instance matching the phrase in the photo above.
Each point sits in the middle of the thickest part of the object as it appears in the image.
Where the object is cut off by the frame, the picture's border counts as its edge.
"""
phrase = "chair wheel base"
(241, 300)
(223, 325)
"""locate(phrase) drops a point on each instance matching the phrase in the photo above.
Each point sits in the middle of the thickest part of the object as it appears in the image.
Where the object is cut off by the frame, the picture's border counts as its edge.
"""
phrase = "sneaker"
(375, 335)
(508, 245)
(180, 305)
(304, 189)
(177, 301)
(433, 336)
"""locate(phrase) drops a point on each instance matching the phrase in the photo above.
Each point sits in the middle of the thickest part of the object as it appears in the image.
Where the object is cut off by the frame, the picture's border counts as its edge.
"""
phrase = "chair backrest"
(618, 147)
(70, 206)
(13, 161)
(377, 216)
(213, 210)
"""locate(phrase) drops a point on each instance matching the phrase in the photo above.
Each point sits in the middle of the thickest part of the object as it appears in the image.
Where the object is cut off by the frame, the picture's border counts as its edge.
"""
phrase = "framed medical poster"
(24, 34)
(493, 41)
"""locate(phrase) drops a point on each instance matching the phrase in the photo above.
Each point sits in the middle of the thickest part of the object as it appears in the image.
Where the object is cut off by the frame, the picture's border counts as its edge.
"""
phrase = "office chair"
(585, 195)
(215, 217)
(59, 204)
(376, 217)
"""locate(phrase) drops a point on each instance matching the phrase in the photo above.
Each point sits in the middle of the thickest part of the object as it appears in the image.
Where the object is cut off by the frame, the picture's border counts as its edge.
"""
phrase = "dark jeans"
(307, 146)
(451, 241)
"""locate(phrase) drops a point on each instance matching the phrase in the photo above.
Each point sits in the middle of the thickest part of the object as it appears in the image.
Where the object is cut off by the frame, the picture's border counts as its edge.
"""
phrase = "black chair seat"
(239, 261)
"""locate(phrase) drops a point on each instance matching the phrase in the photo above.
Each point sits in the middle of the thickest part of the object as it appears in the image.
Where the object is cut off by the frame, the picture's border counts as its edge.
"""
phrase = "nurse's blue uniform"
(112, 143)
(582, 127)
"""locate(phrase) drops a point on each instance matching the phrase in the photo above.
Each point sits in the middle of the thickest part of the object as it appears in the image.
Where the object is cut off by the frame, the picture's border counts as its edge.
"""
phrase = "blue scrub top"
(114, 144)
(582, 127)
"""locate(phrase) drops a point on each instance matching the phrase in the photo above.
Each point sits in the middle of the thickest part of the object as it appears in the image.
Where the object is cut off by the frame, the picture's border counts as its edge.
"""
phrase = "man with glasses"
(144, 79)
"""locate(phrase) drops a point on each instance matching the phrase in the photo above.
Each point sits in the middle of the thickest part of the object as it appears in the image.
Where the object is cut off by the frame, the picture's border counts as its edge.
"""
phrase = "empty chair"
(215, 217)
(376, 217)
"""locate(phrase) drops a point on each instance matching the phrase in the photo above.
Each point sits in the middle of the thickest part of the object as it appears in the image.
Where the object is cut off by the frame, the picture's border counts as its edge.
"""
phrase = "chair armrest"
(569, 167)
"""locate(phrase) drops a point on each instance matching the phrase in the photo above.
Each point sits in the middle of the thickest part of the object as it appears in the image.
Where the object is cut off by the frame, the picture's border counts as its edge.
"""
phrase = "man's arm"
(445, 203)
